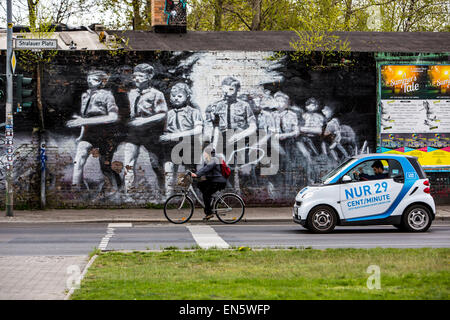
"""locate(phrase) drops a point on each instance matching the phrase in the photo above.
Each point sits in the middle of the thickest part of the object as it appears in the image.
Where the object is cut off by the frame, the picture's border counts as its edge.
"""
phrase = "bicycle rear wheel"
(229, 208)
(179, 208)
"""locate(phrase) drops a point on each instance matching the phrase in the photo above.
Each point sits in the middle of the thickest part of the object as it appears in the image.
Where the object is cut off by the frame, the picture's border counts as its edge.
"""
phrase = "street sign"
(29, 44)
(13, 62)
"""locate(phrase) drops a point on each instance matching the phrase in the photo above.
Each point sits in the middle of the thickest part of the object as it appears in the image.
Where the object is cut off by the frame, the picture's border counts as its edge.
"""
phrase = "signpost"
(11, 62)
(9, 115)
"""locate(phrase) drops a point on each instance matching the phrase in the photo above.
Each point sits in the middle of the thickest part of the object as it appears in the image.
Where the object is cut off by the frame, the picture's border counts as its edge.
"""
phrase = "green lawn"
(268, 274)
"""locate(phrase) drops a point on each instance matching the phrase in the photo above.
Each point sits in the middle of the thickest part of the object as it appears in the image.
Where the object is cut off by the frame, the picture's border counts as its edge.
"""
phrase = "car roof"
(382, 155)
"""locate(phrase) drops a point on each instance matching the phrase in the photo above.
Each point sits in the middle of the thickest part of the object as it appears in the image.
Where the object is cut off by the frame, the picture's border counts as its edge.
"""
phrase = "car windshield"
(333, 173)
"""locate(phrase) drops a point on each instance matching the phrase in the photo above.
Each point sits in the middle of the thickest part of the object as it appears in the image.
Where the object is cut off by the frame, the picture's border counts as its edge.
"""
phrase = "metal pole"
(9, 115)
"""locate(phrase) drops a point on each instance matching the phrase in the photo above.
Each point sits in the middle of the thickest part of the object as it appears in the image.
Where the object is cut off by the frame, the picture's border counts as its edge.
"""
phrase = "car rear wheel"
(321, 219)
(416, 218)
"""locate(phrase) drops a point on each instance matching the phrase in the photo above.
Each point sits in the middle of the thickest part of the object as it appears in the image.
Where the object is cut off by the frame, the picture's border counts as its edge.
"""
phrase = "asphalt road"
(81, 239)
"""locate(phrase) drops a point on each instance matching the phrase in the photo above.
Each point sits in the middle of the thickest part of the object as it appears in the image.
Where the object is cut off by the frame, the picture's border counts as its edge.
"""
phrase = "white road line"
(206, 237)
(105, 240)
(110, 233)
(120, 225)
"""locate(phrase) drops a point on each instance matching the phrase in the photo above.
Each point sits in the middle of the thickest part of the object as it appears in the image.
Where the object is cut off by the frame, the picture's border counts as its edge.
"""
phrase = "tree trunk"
(39, 94)
(32, 12)
(256, 14)
(218, 12)
(148, 14)
(137, 19)
(348, 14)
(409, 13)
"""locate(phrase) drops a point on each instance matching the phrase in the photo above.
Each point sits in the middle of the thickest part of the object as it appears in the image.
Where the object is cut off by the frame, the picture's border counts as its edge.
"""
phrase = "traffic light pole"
(9, 114)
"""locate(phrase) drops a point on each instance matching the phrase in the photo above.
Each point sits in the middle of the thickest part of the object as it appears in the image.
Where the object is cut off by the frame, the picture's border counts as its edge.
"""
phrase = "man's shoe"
(208, 216)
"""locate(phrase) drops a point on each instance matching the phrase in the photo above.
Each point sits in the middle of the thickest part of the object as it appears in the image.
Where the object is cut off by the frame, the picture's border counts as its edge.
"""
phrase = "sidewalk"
(38, 277)
(258, 214)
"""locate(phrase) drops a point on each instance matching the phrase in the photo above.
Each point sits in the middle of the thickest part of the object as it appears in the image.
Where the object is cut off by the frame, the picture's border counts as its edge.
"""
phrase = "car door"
(362, 198)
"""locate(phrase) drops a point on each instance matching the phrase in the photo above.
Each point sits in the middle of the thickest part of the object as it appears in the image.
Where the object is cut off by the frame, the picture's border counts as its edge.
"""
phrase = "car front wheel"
(321, 219)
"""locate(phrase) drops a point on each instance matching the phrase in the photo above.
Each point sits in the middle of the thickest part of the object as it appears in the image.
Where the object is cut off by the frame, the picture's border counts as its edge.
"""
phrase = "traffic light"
(23, 92)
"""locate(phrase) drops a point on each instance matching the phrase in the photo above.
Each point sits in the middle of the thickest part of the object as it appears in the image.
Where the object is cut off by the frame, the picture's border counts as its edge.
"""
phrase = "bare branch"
(239, 16)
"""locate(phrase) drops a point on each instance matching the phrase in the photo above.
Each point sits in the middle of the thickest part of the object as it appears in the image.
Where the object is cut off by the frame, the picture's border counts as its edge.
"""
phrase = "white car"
(368, 189)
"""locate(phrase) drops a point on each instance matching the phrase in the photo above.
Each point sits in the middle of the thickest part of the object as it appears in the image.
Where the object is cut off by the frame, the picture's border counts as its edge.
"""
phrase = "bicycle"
(179, 208)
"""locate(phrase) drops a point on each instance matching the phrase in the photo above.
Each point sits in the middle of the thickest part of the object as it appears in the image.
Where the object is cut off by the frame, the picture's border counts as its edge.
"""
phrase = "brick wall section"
(158, 16)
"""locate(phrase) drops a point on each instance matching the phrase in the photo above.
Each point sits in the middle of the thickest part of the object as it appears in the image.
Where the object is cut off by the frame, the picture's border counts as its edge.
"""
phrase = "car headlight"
(307, 195)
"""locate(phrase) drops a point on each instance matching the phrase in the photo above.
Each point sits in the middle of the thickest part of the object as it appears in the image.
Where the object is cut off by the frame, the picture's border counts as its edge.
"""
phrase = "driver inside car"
(378, 170)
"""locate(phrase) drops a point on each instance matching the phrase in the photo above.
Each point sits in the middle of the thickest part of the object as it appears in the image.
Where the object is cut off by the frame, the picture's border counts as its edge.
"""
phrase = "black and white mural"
(119, 128)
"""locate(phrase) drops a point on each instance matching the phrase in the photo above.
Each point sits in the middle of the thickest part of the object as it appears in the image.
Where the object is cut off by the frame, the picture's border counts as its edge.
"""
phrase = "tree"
(32, 12)
(414, 15)
(27, 12)
(126, 14)
(33, 61)
(315, 32)
(234, 15)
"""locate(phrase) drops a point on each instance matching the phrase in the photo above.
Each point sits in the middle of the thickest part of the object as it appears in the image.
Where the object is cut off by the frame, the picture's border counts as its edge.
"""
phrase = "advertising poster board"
(414, 113)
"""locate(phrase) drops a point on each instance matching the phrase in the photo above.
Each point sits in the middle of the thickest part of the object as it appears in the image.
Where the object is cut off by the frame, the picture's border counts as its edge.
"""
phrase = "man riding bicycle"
(214, 182)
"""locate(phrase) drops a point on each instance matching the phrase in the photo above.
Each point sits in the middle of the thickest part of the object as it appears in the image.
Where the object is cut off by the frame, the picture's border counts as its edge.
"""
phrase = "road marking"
(120, 225)
(206, 237)
(105, 240)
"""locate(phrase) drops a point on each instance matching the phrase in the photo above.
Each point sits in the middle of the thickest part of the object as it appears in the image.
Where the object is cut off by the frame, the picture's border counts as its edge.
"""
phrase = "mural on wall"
(175, 11)
(120, 129)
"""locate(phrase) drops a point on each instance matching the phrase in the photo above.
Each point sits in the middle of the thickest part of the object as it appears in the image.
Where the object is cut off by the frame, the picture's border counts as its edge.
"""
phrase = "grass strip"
(268, 274)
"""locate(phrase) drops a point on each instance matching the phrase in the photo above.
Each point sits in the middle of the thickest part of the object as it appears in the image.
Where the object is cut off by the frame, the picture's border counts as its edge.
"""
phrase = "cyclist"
(214, 182)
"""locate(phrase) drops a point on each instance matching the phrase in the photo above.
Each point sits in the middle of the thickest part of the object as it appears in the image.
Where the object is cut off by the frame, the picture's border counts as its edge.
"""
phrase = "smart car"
(368, 189)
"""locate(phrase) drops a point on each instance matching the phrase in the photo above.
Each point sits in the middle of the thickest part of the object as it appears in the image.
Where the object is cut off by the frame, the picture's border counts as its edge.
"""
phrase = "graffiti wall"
(175, 11)
(119, 128)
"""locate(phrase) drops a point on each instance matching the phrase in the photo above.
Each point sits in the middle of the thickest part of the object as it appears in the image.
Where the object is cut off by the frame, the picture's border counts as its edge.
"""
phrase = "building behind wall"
(350, 90)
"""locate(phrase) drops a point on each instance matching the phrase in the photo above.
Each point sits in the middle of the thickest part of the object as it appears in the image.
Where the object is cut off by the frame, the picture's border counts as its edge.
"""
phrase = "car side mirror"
(346, 179)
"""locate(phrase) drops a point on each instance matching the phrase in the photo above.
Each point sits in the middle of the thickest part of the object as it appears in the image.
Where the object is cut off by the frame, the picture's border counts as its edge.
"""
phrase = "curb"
(161, 221)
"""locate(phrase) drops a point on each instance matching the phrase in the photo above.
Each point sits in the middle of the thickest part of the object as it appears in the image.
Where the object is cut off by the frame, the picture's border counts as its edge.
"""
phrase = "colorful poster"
(403, 82)
(414, 113)
(439, 77)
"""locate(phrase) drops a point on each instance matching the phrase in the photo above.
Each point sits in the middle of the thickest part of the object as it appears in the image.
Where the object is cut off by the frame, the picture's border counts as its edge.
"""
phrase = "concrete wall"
(123, 163)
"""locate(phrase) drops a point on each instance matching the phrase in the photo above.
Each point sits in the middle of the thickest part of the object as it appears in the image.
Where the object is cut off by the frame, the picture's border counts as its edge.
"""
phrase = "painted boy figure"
(183, 122)
(287, 130)
(148, 110)
(236, 117)
(98, 112)
(332, 134)
(311, 129)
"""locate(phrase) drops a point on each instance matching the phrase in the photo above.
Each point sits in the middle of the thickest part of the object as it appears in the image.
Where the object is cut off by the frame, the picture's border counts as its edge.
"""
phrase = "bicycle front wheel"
(229, 208)
(179, 208)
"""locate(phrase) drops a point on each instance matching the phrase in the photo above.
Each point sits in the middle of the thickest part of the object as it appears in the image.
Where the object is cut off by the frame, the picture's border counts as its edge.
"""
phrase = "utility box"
(169, 16)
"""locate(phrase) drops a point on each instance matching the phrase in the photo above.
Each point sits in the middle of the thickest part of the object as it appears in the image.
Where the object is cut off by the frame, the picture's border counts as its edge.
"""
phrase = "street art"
(120, 130)
(176, 12)
(98, 108)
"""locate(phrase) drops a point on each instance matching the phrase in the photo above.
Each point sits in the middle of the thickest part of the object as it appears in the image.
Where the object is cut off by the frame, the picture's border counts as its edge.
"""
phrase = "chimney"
(169, 16)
